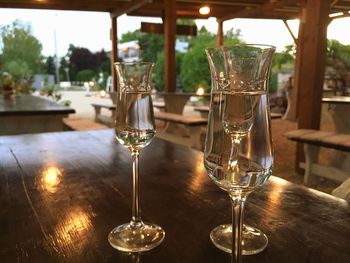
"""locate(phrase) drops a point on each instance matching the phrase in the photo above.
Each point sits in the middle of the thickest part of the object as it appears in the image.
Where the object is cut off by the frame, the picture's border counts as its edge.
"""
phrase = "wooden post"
(310, 74)
(220, 33)
(292, 113)
(114, 54)
(169, 21)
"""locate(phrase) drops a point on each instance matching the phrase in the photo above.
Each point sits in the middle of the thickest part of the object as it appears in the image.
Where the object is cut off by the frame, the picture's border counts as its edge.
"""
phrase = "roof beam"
(129, 7)
(264, 8)
(290, 31)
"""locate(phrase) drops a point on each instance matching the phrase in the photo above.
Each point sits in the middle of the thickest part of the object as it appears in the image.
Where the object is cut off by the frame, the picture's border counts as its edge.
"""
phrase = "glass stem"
(237, 227)
(235, 144)
(136, 220)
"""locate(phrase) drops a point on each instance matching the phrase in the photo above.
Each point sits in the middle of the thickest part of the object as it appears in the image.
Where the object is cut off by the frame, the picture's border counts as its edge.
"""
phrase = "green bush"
(159, 70)
(85, 75)
(195, 70)
(273, 82)
(158, 76)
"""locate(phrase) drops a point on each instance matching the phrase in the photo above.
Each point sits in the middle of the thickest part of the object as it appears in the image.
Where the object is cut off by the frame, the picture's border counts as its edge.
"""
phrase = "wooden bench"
(191, 123)
(313, 140)
(204, 111)
(159, 105)
(100, 118)
(108, 120)
(75, 124)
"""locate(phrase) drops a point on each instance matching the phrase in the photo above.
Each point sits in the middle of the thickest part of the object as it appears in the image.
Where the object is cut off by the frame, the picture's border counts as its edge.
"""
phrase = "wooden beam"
(254, 11)
(309, 80)
(156, 28)
(129, 7)
(292, 114)
(169, 45)
(290, 31)
(114, 54)
(188, 14)
(330, 19)
(220, 33)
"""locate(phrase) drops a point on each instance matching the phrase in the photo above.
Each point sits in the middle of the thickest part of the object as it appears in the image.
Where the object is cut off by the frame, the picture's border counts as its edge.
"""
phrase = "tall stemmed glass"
(238, 149)
(135, 128)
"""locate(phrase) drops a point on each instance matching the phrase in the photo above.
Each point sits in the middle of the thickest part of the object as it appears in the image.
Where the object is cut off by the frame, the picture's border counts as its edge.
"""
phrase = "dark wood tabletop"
(61, 194)
(22, 105)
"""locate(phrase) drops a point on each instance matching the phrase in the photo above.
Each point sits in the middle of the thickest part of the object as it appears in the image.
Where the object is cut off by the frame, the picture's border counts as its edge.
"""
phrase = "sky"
(92, 29)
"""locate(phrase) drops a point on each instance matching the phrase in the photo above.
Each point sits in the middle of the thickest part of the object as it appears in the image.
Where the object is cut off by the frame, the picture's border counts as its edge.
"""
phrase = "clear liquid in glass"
(238, 150)
(134, 123)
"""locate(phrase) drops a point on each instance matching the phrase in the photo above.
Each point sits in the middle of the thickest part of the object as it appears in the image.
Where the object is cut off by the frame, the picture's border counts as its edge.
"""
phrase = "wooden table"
(64, 213)
(104, 119)
(108, 119)
(175, 102)
(339, 108)
(31, 114)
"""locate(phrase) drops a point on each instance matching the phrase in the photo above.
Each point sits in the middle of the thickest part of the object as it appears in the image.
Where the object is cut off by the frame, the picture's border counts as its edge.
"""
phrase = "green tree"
(151, 45)
(130, 36)
(50, 65)
(194, 67)
(284, 59)
(21, 54)
(159, 70)
(338, 61)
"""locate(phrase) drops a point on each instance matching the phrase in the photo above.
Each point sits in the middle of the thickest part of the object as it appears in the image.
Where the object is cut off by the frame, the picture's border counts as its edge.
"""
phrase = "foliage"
(83, 59)
(281, 60)
(273, 82)
(338, 60)
(159, 70)
(50, 65)
(151, 45)
(284, 58)
(231, 36)
(130, 36)
(84, 65)
(21, 54)
(7, 84)
(85, 75)
(54, 95)
(194, 67)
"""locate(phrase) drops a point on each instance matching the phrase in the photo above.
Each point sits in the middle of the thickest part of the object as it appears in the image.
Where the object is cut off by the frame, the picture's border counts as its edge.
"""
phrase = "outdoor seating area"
(313, 140)
(183, 144)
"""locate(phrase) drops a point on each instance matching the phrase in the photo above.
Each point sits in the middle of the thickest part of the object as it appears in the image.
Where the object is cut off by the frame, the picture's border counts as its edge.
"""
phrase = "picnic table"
(339, 108)
(59, 203)
(29, 114)
(175, 101)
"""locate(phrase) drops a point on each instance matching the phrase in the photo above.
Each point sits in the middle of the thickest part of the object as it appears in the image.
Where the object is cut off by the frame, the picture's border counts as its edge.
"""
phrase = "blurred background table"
(339, 108)
(29, 114)
(61, 194)
(175, 101)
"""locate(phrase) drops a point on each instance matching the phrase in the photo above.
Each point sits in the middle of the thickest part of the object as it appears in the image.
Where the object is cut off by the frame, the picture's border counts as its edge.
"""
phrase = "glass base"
(253, 240)
(128, 238)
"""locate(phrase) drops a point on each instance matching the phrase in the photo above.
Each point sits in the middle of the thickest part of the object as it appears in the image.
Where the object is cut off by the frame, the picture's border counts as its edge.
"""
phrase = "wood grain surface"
(24, 105)
(61, 194)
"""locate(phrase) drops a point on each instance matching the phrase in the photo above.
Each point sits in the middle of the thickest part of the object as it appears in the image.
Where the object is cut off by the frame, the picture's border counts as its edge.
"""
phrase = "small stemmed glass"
(238, 149)
(134, 129)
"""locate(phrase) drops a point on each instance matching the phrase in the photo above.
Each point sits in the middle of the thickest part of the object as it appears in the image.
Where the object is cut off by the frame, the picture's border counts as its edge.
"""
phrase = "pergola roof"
(223, 9)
